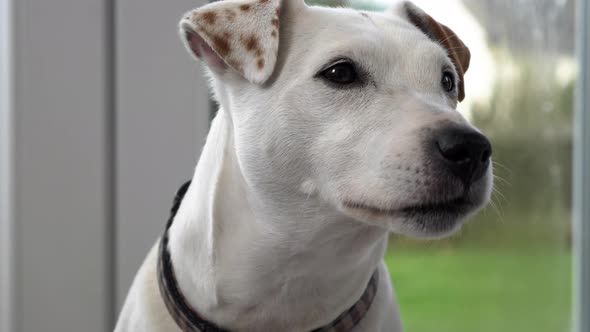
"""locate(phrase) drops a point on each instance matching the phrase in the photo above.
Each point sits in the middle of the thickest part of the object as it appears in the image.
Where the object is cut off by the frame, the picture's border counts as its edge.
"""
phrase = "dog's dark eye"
(340, 73)
(448, 81)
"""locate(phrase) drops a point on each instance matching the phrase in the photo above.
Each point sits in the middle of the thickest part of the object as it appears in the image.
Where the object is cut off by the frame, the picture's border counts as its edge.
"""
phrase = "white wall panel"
(61, 159)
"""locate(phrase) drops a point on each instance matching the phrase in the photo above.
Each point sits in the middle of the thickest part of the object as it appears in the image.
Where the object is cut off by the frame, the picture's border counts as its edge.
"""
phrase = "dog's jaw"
(433, 218)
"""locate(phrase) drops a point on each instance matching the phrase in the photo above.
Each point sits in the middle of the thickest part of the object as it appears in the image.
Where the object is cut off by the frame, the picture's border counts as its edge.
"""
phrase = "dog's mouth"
(454, 207)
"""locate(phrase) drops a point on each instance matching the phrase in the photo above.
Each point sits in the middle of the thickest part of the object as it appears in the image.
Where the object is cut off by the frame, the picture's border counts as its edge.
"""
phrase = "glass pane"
(509, 268)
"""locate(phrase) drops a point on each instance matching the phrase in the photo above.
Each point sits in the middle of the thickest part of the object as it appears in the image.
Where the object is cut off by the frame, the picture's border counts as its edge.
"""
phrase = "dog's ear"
(440, 33)
(235, 35)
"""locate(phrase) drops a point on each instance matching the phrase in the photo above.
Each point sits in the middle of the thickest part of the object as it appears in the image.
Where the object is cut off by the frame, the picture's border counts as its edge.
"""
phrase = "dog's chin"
(423, 221)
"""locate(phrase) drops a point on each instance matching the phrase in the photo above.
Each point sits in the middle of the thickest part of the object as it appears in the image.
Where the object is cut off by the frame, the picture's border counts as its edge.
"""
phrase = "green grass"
(482, 290)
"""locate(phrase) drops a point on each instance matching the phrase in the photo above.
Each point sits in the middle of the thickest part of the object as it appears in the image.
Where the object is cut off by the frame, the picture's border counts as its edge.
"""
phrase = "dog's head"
(351, 108)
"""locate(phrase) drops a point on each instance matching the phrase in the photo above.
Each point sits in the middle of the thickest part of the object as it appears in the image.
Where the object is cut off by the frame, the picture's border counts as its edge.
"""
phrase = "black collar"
(189, 320)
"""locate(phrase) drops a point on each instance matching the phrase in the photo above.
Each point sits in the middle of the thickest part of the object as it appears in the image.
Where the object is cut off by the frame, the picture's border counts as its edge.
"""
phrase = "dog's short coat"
(335, 128)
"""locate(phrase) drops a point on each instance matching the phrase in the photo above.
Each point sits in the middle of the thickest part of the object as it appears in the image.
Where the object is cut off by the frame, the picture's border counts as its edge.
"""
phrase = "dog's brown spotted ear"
(241, 35)
(440, 33)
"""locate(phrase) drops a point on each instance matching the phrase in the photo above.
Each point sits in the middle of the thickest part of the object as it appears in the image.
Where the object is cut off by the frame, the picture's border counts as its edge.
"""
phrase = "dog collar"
(187, 318)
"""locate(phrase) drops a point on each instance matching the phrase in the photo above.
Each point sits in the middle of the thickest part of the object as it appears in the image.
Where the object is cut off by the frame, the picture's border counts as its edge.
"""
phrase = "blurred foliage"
(528, 100)
(527, 24)
(529, 121)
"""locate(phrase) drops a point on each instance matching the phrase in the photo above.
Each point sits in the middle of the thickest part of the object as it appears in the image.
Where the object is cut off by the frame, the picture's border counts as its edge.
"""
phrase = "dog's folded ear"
(235, 35)
(440, 33)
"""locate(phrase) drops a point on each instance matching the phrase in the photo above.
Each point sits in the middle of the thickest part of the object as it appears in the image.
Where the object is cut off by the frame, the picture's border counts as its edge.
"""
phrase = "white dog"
(335, 128)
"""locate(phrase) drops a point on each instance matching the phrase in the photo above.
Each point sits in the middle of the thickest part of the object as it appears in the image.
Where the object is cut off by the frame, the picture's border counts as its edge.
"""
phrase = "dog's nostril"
(485, 156)
(456, 153)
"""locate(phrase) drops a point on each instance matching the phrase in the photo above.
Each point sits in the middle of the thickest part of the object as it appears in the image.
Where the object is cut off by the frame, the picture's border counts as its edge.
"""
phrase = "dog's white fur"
(265, 239)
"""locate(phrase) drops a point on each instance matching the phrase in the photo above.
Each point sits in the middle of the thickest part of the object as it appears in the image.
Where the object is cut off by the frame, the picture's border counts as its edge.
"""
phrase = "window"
(509, 268)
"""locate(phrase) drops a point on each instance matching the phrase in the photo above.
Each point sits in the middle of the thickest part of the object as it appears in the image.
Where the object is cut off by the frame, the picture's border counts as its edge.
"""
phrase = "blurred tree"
(524, 25)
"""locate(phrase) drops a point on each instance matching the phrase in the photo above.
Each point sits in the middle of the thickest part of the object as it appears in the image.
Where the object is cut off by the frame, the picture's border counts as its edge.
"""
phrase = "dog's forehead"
(321, 33)
(347, 20)
(402, 33)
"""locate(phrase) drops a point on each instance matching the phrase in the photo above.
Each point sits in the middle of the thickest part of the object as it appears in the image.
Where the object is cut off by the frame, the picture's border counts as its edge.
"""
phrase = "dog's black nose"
(466, 152)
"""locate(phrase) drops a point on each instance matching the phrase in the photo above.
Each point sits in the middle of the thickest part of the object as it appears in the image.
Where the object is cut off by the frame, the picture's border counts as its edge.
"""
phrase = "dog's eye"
(340, 73)
(448, 81)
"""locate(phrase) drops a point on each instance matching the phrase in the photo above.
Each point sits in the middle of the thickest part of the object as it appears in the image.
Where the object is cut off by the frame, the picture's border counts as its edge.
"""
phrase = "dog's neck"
(271, 263)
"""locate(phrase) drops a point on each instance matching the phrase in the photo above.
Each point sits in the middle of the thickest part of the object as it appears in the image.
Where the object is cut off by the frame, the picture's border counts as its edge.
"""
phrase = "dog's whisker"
(500, 199)
(498, 192)
(497, 210)
(502, 166)
(501, 179)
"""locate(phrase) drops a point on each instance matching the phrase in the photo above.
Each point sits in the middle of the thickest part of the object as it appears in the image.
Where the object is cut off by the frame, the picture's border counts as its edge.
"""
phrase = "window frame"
(581, 174)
